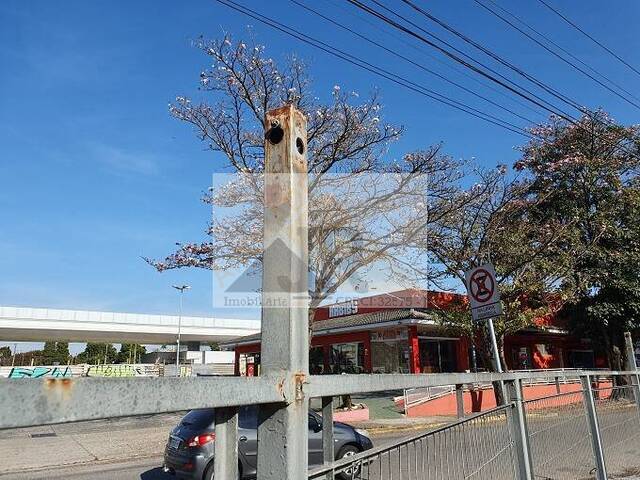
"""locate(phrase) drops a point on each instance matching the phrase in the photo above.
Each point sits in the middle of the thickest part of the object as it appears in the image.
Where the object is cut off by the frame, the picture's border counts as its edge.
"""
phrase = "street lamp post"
(181, 288)
(15, 351)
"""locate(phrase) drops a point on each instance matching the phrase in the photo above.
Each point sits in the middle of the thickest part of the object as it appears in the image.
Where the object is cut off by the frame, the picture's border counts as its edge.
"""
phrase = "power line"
(373, 69)
(388, 75)
(416, 64)
(568, 62)
(555, 93)
(564, 50)
(589, 36)
(422, 51)
(530, 96)
(401, 27)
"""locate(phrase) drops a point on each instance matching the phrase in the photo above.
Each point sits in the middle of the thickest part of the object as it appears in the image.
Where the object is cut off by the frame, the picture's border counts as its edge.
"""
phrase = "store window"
(347, 358)
(437, 356)
(249, 364)
(390, 352)
(316, 361)
(581, 359)
(521, 358)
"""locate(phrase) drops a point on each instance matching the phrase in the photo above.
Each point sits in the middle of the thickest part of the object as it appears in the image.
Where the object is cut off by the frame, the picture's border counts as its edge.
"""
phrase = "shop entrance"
(437, 356)
(390, 351)
(581, 359)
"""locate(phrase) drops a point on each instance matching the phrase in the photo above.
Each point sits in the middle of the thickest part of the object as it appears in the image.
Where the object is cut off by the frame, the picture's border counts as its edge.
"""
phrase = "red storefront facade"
(394, 333)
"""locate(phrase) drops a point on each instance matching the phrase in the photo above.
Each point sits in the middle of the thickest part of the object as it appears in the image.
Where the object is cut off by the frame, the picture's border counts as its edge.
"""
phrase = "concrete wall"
(196, 370)
(483, 399)
(219, 357)
(69, 371)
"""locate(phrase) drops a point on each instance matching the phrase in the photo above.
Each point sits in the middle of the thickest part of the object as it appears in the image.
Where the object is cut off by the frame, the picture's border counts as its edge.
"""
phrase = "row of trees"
(561, 225)
(57, 353)
(95, 353)
(107, 353)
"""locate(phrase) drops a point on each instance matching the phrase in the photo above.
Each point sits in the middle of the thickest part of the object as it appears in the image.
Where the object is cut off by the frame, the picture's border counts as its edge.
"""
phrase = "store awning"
(353, 323)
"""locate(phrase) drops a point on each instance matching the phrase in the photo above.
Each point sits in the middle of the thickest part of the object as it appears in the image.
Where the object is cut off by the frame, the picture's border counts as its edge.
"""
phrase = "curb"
(378, 429)
(404, 428)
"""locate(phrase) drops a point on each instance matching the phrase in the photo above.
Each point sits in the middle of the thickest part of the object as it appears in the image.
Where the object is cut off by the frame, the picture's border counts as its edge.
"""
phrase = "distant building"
(200, 361)
(396, 333)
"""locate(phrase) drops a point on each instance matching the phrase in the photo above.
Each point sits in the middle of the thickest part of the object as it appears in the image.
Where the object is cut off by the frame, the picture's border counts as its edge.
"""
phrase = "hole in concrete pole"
(300, 145)
(275, 134)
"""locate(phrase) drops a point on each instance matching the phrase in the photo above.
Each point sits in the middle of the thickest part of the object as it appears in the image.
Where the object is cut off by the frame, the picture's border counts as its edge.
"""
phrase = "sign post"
(484, 299)
(494, 345)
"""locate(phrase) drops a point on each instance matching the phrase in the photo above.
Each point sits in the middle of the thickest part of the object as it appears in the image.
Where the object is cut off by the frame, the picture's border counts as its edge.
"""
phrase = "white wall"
(219, 357)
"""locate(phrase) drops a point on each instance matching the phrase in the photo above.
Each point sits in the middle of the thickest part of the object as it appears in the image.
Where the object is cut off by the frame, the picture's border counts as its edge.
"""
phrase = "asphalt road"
(144, 469)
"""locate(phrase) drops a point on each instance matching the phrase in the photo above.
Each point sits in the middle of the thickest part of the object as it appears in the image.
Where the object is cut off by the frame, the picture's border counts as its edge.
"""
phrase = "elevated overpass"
(40, 324)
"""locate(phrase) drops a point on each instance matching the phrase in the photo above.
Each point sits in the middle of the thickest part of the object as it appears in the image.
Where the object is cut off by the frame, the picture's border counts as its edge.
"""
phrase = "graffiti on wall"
(68, 371)
(40, 372)
(118, 371)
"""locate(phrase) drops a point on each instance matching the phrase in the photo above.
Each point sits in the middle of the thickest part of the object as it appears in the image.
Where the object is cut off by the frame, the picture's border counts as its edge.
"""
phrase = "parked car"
(190, 447)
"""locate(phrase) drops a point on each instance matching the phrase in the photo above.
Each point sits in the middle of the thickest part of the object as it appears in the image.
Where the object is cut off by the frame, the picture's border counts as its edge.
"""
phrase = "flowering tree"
(363, 209)
(585, 175)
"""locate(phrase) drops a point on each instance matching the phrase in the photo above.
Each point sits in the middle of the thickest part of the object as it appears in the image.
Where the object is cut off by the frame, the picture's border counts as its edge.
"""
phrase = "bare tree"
(364, 209)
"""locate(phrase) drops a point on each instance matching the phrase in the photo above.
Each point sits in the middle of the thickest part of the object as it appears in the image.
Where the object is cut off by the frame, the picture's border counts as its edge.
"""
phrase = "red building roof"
(414, 298)
(408, 298)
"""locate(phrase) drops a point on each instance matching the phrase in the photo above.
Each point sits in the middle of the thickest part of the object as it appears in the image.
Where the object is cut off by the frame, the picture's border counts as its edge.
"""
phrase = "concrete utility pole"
(181, 289)
(285, 298)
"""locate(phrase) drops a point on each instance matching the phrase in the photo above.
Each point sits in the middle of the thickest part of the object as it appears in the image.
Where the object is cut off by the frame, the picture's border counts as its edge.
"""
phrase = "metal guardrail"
(417, 396)
(489, 442)
(565, 435)
(469, 448)
(28, 402)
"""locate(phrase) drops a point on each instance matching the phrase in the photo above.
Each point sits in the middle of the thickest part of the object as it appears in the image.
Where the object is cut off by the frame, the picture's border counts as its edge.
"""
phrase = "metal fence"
(619, 425)
(559, 436)
(477, 447)
(566, 435)
(417, 396)
(558, 430)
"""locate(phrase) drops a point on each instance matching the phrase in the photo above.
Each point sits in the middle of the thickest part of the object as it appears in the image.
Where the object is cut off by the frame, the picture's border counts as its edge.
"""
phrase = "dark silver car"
(189, 450)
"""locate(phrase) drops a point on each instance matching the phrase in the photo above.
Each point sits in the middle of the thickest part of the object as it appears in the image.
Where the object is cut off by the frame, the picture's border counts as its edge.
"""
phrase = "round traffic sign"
(481, 285)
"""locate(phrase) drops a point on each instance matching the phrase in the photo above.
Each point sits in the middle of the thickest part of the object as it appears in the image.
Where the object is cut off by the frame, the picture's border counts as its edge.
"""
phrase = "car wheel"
(346, 452)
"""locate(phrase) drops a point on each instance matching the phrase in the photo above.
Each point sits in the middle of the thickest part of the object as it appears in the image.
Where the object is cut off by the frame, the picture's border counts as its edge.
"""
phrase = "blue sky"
(96, 174)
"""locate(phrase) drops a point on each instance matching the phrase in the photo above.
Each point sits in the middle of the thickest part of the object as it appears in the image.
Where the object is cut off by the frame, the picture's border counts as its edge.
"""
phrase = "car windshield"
(199, 418)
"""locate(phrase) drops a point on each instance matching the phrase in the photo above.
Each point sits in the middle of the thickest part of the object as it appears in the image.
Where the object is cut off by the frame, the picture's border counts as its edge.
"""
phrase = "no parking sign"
(482, 289)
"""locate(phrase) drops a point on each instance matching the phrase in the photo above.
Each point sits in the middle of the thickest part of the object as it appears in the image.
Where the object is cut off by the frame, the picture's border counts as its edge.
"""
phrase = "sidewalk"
(37, 448)
(21, 454)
